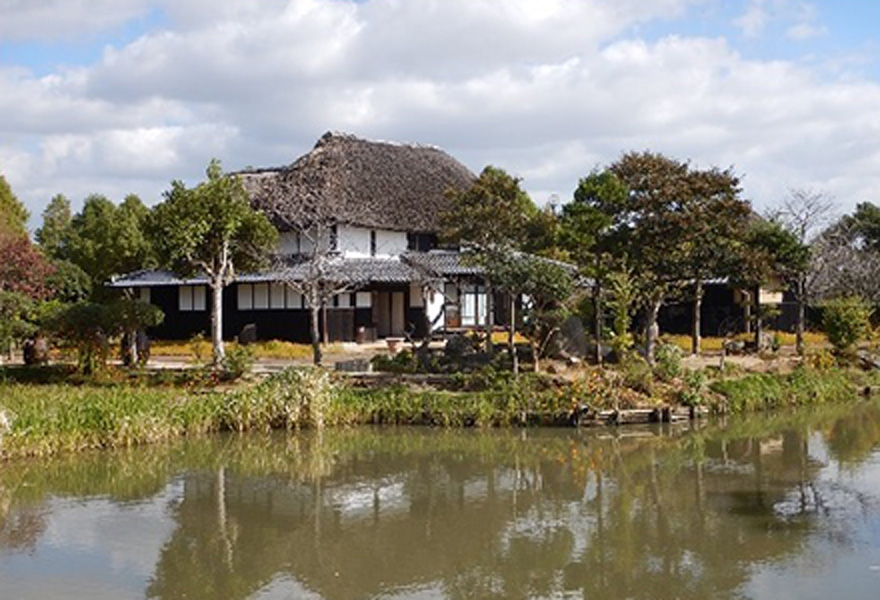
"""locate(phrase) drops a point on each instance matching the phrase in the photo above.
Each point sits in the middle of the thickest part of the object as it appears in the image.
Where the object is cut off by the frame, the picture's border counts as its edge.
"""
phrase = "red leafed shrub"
(23, 269)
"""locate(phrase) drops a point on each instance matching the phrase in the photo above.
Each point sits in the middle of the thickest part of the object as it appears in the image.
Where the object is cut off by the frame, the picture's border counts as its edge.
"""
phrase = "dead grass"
(812, 339)
(201, 349)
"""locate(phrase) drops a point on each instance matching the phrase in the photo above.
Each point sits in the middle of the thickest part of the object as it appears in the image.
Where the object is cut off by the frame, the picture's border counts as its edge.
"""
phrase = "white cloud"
(753, 21)
(64, 19)
(805, 31)
(546, 89)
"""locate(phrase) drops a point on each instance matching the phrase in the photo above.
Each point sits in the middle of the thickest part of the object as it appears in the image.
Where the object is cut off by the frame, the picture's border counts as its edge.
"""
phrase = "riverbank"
(46, 419)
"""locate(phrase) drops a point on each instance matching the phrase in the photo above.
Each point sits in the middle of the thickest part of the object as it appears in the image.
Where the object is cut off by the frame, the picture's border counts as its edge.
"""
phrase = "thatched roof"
(358, 182)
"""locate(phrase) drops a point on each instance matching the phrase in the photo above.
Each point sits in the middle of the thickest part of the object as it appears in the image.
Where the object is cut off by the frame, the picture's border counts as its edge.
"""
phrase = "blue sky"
(120, 96)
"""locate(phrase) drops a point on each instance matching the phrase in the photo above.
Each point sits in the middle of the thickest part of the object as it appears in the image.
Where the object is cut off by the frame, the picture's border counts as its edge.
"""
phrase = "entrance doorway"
(389, 313)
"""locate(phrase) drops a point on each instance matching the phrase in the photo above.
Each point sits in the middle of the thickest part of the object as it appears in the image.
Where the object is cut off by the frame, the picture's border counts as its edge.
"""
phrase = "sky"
(124, 96)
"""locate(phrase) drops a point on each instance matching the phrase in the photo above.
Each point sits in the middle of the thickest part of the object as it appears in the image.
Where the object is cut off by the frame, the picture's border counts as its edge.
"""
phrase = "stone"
(248, 334)
(35, 351)
(570, 340)
(355, 365)
(458, 346)
(734, 346)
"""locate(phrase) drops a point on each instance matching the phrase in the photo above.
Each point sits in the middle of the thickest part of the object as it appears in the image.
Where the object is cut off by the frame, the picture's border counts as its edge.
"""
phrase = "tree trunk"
(651, 327)
(759, 322)
(315, 313)
(597, 320)
(511, 336)
(696, 322)
(490, 319)
(326, 324)
(429, 334)
(801, 317)
(536, 361)
(424, 353)
(217, 321)
(747, 311)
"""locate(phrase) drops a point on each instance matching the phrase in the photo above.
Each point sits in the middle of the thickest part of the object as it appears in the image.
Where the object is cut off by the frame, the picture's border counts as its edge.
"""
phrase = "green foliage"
(804, 386)
(584, 224)
(665, 221)
(86, 327)
(865, 222)
(292, 399)
(667, 364)
(237, 362)
(54, 235)
(68, 282)
(199, 347)
(544, 283)
(623, 302)
(132, 315)
(212, 228)
(693, 393)
(105, 240)
(83, 327)
(13, 214)
(197, 228)
(846, 321)
(779, 249)
(56, 418)
(494, 210)
(402, 362)
(637, 373)
(16, 318)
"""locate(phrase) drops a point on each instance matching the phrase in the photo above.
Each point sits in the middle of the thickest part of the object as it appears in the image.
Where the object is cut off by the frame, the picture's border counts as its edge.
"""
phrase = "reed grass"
(805, 386)
(55, 418)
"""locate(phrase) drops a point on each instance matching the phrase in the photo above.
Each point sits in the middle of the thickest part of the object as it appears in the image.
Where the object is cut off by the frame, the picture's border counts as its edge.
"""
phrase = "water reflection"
(652, 513)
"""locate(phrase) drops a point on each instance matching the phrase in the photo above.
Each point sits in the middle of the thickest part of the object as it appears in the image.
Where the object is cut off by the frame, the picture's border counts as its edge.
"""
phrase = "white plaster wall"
(288, 242)
(353, 242)
(434, 309)
(390, 243)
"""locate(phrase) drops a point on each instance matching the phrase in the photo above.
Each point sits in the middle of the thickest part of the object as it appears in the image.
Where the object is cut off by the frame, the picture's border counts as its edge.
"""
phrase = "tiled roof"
(364, 270)
(447, 263)
(150, 278)
(410, 267)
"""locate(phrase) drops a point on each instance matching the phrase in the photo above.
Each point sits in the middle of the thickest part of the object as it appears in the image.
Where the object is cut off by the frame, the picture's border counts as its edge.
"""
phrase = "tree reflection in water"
(629, 513)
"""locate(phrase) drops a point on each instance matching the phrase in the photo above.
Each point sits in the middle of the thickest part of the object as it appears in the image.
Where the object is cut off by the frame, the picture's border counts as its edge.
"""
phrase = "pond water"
(779, 506)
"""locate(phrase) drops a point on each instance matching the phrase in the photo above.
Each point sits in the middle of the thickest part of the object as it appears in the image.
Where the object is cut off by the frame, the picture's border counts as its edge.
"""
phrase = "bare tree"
(843, 264)
(318, 272)
(804, 213)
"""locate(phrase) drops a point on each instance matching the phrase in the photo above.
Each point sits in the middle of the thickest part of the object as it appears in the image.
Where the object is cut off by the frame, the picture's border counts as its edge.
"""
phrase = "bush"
(802, 387)
(237, 362)
(402, 362)
(693, 393)
(291, 399)
(637, 374)
(667, 362)
(845, 322)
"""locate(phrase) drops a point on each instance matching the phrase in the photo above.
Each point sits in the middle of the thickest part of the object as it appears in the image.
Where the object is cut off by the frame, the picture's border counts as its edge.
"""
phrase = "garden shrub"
(667, 362)
(845, 322)
(237, 362)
